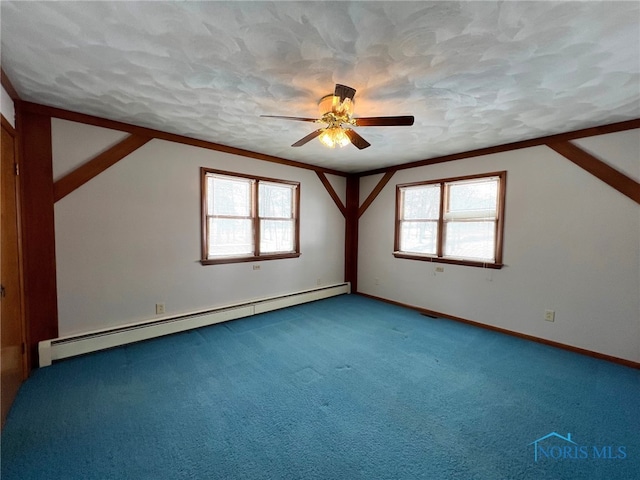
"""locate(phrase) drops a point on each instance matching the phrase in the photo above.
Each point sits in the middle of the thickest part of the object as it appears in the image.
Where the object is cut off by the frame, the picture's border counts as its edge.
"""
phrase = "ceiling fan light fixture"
(334, 136)
(336, 111)
(331, 104)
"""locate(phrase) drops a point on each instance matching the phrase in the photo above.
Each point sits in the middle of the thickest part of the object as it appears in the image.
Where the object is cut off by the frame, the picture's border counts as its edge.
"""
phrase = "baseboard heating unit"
(65, 347)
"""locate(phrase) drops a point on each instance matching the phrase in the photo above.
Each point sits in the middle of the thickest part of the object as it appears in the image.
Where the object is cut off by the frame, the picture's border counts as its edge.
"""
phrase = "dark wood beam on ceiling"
(596, 167)
(171, 137)
(97, 165)
(562, 137)
(325, 181)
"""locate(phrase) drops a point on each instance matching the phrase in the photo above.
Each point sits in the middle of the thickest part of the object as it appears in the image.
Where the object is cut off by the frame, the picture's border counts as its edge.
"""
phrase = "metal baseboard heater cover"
(70, 346)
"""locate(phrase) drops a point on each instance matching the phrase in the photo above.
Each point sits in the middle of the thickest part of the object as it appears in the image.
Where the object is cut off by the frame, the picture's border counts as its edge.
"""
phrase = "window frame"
(256, 256)
(439, 257)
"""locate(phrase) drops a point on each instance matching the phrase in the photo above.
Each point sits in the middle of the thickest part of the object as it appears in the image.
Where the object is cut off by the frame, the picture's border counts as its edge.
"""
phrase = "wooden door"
(13, 335)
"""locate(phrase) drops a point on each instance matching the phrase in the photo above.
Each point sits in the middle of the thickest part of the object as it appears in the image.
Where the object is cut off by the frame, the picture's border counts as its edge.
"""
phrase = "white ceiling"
(474, 74)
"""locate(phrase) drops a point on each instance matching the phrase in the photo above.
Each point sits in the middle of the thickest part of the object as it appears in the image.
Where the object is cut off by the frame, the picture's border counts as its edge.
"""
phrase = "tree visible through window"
(456, 220)
(248, 218)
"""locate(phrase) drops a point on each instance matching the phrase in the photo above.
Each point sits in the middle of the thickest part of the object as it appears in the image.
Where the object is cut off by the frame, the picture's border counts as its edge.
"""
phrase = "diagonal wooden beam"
(97, 165)
(375, 192)
(325, 181)
(8, 86)
(609, 175)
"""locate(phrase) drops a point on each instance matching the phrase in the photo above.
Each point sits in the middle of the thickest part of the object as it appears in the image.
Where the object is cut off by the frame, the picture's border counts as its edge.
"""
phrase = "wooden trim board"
(171, 137)
(325, 181)
(535, 142)
(38, 241)
(351, 232)
(8, 86)
(97, 165)
(524, 336)
(375, 192)
(599, 169)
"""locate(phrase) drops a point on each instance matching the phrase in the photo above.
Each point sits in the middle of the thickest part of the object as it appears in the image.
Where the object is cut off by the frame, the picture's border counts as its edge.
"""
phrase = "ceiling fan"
(336, 111)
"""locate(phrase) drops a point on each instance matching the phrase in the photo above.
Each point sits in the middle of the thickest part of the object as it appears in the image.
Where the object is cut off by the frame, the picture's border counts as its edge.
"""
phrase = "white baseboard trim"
(70, 346)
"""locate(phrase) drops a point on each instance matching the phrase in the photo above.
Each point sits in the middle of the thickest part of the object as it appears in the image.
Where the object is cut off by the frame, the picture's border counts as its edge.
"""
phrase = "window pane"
(470, 240)
(230, 236)
(275, 200)
(421, 202)
(473, 198)
(209, 195)
(276, 236)
(229, 196)
(418, 237)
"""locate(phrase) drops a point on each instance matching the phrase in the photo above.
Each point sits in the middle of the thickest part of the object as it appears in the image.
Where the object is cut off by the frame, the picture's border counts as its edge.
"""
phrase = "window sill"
(452, 261)
(223, 260)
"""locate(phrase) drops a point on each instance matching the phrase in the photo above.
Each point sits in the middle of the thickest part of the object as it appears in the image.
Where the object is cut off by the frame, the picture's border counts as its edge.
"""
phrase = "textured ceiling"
(474, 74)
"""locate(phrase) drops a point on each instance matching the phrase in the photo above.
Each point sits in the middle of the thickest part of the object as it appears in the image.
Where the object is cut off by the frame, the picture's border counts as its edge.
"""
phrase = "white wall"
(130, 238)
(7, 107)
(572, 244)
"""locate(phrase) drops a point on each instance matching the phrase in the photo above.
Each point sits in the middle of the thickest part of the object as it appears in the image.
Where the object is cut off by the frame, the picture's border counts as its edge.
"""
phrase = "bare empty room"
(320, 240)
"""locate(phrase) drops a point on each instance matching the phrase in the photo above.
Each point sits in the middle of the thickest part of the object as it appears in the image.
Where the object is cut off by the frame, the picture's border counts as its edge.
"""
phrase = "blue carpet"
(343, 388)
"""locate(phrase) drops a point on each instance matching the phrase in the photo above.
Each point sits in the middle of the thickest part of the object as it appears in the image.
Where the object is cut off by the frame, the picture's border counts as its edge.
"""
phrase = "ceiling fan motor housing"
(335, 112)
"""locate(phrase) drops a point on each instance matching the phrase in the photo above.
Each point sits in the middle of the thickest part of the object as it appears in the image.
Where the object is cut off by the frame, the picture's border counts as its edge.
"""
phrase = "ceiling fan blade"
(308, 138)
(384, 121)
(356, 139)
(300, 119)
(343, 92)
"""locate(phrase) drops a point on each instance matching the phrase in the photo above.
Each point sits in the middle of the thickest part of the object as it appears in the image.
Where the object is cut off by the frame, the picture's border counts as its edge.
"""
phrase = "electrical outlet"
(159, 308)
(439, 269)
(550, 315)
(256, 267)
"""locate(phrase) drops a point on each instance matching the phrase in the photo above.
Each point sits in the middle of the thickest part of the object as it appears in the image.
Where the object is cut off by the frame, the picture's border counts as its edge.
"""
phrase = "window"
(455, 220)
(247, 218)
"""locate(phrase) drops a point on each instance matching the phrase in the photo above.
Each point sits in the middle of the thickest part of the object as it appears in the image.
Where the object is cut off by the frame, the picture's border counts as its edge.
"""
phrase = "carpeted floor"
(344, 388)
